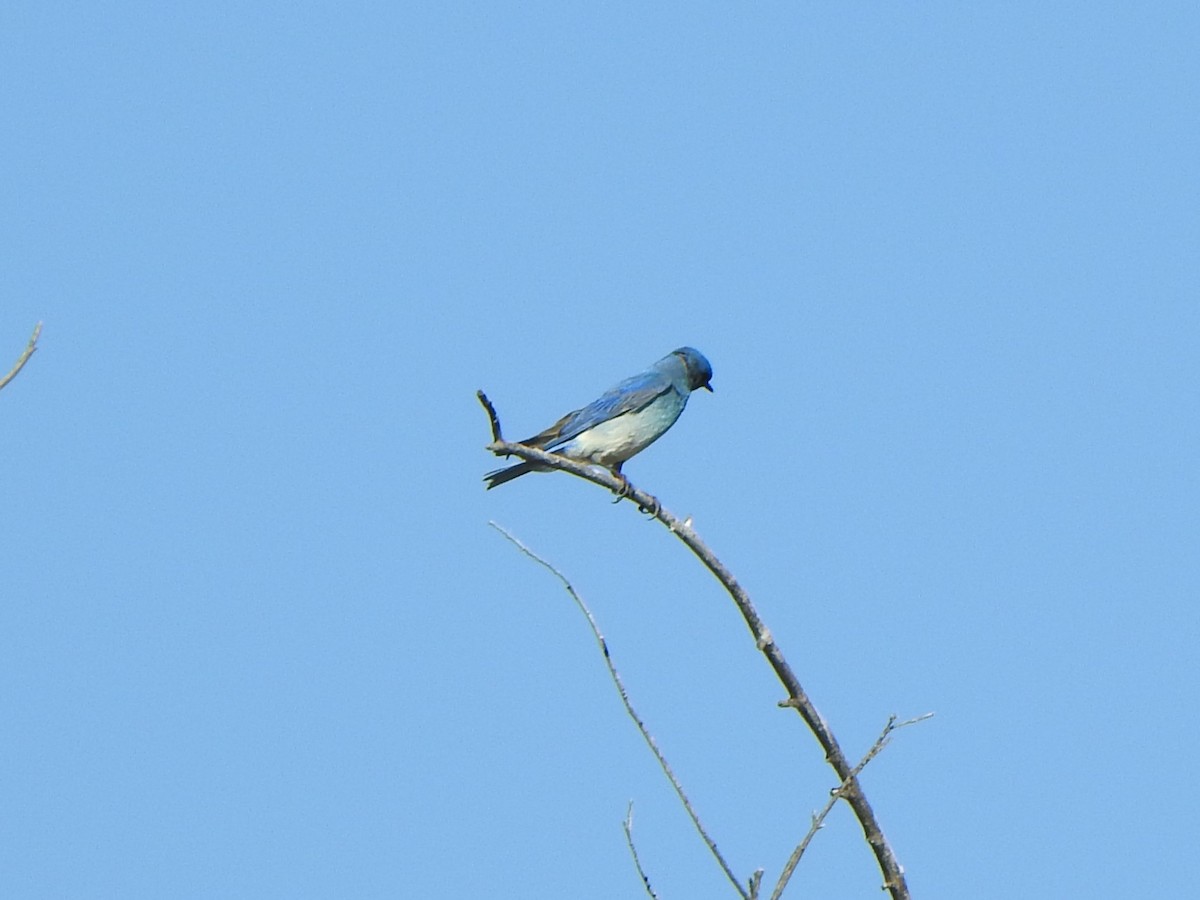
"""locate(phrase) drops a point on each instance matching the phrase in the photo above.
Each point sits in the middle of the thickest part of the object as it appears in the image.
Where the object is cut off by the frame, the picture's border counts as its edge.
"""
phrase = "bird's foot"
(625, 489)
(652, 509)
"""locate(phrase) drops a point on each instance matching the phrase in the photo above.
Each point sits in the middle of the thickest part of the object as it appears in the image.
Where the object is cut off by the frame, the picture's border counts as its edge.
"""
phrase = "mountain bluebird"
(626, 420)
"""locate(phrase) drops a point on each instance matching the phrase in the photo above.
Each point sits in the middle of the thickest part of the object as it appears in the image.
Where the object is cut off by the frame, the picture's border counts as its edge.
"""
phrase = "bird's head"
(699, 372)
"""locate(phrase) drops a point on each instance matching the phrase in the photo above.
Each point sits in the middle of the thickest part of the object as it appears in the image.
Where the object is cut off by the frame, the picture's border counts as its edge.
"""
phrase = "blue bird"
(626, 420)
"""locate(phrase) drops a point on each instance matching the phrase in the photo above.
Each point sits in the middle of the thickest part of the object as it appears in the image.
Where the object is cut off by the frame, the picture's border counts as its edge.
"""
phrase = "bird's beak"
(708, 387)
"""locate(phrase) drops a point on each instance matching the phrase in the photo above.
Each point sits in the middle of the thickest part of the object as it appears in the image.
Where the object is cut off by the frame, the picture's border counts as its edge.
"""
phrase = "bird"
(624, 421)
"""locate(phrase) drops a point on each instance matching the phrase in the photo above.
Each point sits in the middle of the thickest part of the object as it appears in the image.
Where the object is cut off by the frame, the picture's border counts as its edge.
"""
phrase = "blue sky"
(256, 637)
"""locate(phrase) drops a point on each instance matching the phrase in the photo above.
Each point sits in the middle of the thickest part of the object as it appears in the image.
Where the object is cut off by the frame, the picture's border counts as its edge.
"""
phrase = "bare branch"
(628, 826)
(798, 699)
(491, 411)
(818, 821)
(637, 720)
(588, 471)
(24, 357)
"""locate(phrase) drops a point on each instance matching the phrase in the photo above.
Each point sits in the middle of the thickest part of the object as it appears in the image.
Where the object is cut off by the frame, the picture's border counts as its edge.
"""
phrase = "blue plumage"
(625, 420)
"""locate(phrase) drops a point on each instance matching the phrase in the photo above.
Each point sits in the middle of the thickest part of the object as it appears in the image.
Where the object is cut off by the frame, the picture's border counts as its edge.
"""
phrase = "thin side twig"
(797, 698)
(818, 821)
(627, 825)
(637, 720)
(30, 348)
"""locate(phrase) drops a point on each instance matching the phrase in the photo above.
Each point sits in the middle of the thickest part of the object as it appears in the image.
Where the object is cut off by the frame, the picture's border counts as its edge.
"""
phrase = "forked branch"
(818, 821)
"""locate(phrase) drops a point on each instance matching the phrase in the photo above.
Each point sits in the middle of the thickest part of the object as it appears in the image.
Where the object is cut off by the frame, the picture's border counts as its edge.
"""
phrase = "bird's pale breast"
(618, 439)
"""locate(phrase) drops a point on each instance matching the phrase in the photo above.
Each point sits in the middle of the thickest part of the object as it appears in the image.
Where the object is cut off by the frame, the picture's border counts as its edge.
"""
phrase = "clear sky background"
(256, 637)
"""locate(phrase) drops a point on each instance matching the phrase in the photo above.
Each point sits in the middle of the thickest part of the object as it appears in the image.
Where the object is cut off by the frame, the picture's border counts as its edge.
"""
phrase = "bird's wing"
(630, 395)
(543, 439)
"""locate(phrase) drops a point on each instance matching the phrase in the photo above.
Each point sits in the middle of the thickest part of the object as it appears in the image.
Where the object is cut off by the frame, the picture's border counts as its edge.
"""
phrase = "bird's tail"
(500, 476)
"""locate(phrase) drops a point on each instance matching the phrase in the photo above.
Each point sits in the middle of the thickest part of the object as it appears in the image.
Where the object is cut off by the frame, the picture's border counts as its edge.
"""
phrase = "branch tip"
(493, 419)
(30, 349)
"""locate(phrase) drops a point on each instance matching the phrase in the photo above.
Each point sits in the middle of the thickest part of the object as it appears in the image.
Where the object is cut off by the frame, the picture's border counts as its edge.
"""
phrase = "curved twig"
(797, 698)
(24, 357)
(637, 720)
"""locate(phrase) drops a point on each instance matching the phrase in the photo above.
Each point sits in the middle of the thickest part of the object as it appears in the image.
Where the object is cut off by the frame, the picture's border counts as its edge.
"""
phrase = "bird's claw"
(624, 490)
